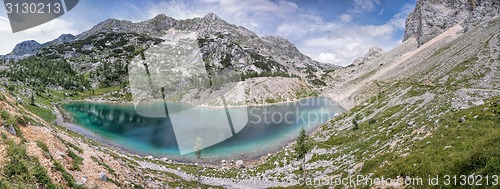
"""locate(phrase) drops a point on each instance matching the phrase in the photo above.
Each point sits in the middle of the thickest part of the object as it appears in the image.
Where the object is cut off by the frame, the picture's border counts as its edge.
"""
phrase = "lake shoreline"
(64, 119)
(122, 102)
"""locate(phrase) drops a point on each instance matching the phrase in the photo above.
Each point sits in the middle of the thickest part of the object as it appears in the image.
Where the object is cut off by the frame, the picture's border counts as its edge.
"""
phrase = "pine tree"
(32, 99)
(302, 147)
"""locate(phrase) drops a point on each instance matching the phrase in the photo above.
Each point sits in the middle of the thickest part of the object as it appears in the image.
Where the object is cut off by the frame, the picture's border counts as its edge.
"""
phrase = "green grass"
(270, 100)
(96, 92)
(454, 148)
(77, 160)
(45, 114)
(42, 146)
(106, 166)
(11, 120)
(68, 144)
(22, 170)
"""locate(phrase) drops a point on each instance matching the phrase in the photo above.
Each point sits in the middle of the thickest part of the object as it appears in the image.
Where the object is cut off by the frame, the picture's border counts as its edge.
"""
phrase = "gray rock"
(463, 119)
(10, 129)
(432, 17)
(102, 177)
(478, 103)
(240, 164)
(373, 53)
(26, 47)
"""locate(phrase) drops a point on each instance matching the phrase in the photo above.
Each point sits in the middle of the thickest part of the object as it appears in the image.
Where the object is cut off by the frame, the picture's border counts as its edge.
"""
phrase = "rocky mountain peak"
(26, 47)
(211, 16)
(432, 17)
(64, 38)
(373, 53)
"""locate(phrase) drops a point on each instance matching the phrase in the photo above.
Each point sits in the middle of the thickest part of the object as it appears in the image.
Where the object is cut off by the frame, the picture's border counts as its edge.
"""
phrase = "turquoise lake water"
(225, 133)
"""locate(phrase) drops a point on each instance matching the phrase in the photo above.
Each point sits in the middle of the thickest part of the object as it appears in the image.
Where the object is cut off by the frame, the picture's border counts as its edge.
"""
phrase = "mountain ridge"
(422, 108)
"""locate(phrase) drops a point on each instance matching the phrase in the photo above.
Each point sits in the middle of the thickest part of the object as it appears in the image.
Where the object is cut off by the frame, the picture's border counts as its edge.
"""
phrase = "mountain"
(430, 106)
(373, 53)
(431, 18)
(26, 48)
(111, 44)
(31, 47)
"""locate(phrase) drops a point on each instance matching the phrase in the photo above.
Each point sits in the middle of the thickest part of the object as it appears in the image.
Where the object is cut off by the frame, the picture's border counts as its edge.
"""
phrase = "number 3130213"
(33, 8)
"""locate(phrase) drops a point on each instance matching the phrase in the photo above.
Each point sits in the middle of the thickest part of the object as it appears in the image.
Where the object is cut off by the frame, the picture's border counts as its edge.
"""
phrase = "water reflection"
(265, 129)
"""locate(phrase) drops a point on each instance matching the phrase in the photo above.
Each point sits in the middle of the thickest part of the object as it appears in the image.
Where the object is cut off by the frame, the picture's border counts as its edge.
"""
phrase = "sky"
(329, 31)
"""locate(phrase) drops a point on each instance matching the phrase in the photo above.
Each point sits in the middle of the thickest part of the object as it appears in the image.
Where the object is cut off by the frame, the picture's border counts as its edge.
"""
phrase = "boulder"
(103, 177)
(240, 164)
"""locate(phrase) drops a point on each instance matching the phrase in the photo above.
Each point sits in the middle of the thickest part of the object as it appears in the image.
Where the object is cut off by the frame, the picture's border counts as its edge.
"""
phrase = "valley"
(75, 112)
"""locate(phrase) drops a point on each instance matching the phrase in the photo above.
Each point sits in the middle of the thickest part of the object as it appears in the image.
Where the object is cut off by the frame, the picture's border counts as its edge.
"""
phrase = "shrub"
(16, 166)
(41, 176)
(42, 146)
(356, 124)
(77, 160)
(372, 121)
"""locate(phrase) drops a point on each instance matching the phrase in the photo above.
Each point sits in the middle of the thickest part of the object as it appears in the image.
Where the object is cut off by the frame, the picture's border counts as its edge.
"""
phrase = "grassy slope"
(411, 127)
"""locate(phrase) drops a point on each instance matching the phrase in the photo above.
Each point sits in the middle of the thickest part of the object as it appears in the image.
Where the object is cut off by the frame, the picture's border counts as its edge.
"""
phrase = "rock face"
(26, 47)
(31, 47)
(221, 43)
(226, 49)
(431, 17)
(372, 54)
(64, 38)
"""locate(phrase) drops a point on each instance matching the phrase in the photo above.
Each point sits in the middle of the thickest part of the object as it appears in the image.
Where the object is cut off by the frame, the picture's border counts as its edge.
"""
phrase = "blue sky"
(331, 31)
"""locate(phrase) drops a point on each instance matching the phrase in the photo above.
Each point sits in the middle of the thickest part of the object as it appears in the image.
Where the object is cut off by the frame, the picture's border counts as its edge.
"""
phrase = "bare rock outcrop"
(432, 17)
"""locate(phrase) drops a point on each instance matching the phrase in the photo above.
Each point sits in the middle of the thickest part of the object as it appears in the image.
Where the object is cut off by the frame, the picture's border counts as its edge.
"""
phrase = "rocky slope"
(31, 47)
(104, 53)
(423, 108)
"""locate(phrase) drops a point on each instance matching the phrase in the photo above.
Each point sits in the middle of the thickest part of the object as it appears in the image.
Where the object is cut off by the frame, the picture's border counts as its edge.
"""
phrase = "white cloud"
(346, 17)
(176, 8)
(239, 7)
(360, 6)
(348, 41)
(43, 33)
(399, 19)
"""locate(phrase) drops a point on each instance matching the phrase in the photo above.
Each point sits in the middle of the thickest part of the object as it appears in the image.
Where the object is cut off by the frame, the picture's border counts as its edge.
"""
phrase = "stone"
(11, 130)
(223, 161)
(478, 103)
(80, 183)
(103, 177)
(240, 164)
(463, 119)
